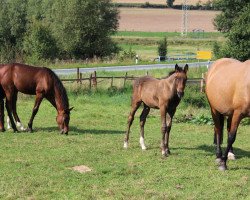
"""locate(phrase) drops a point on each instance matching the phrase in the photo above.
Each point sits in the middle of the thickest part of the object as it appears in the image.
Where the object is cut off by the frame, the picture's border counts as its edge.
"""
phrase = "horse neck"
(60, 99)
(170, 81)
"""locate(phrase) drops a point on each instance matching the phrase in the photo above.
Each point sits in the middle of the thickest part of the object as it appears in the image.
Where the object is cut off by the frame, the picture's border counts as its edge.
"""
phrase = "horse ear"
(177, 68)
(186, 68)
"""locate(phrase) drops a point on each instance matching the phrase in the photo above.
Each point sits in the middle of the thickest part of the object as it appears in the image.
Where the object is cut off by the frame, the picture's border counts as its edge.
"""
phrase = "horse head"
(62, 119)
(180, 79)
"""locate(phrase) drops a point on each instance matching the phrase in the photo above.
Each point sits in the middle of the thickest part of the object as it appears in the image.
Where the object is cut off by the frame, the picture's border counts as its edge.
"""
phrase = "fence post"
(81, 78)
(90, 80)
(112, 79)
(125, 78)
(202, 83)
(94, 80)
(77, 74)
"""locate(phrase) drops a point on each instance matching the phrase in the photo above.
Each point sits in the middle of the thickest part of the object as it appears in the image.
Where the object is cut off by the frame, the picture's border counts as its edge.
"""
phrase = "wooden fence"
(93, 80)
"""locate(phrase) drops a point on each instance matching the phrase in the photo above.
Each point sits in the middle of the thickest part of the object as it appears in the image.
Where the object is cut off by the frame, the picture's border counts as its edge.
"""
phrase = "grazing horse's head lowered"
(62, 120)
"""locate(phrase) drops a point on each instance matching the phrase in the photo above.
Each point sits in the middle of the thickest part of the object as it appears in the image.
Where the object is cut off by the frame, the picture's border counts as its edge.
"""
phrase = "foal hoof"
(222, 168)
(231, 156)
(30, 130)
(218, 161)
(125, 145)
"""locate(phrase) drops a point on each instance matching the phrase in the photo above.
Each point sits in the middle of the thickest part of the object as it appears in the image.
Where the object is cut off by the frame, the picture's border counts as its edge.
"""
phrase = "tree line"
(32, 30)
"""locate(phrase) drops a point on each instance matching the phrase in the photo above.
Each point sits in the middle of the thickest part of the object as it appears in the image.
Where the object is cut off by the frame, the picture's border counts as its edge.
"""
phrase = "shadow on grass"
(76, 131)
(239, 153)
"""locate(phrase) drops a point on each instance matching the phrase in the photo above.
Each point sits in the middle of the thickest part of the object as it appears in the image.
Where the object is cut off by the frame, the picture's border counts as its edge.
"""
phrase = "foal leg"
(143, 118)
(134, 107)
(163, 130)
(236, 118)
(169, 117)
(39, 98)
(218, 132)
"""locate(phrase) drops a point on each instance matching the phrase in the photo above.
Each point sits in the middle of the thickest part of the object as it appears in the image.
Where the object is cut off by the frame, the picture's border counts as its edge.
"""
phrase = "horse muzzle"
(180, 94)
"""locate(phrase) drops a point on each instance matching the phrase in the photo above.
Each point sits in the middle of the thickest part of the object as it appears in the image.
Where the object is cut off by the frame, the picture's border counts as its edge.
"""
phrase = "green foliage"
(73, 28)
(163, 47)
(170, 3)
(39, 43)
(194, 97)
(234, 21)
(128, 55)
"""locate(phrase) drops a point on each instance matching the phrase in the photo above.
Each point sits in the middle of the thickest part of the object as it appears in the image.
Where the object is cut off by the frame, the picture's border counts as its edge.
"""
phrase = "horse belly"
(26, 88)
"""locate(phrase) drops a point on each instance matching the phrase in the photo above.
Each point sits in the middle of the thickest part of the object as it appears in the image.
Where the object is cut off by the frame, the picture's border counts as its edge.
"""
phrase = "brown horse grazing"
(227, 90)
(39, 81)
(164, 94)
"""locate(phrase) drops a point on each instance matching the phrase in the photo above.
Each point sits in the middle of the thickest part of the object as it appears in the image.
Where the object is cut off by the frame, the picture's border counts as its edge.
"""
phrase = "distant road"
(127, 68)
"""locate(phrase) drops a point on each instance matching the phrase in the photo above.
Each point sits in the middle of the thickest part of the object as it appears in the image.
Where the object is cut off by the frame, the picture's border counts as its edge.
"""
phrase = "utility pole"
(184, 24)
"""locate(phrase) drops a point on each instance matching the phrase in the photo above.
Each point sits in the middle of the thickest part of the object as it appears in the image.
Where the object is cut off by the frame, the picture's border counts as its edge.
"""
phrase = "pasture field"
(176, 2)
(39, 165)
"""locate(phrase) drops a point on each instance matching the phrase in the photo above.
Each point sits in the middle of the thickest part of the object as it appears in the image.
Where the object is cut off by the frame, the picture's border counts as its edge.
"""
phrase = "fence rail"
(92, 80)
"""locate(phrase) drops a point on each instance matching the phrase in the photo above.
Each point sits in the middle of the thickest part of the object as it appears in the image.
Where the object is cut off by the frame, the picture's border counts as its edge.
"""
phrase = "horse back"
(26, 79)
(228, 86)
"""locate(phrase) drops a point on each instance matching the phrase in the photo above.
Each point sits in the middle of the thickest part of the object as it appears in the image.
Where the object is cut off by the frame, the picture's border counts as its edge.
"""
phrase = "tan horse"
(164, 94)
(228, 93)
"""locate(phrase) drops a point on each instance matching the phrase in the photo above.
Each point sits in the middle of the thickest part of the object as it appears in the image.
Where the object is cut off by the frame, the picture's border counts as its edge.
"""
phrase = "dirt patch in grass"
(164, 20)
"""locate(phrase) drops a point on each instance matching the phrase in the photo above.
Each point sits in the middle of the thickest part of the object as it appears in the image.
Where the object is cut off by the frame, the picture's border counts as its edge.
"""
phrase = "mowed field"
(164, 20)
(176, 2)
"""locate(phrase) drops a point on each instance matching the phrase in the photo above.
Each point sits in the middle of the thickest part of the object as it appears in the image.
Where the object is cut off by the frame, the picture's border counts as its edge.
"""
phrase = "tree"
(83, 28)
(231, 9)
(162, 48)
(234, 22)
(170, 3)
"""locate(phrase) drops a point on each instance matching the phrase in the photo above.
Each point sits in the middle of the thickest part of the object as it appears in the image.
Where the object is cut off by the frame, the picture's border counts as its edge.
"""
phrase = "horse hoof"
(125, 145)
(29, 130)
(144, 148)
(222, 168)
(2, 129)
(218, 160)
(231, 156)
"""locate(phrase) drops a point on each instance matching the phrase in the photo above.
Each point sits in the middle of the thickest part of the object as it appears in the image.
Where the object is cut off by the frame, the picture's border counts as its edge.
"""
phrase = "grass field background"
(38, 165)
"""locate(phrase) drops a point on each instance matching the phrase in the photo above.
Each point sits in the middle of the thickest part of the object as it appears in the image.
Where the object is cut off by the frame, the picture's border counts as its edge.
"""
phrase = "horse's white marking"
(231, 156)
(8, 123)
(20, 125)
(125, 145)
(143, 147)
(163, 152)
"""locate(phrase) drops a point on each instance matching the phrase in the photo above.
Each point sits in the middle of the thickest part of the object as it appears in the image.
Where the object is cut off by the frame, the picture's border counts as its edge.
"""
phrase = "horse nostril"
(180, 94)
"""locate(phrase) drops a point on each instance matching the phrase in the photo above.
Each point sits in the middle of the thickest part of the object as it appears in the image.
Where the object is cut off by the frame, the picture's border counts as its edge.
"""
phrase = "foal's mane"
(58, 84)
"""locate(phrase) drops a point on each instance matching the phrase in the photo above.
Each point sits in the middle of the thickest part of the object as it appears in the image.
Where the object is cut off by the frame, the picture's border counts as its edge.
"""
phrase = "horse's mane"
(60, 87)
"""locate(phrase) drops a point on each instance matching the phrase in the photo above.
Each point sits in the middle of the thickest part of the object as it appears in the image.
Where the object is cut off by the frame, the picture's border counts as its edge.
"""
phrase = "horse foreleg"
(134, 108)
(236, 118)
(143, 118)
(39, 98)
(218, 132)
(18, 122)
(163, 130)
(8, 106)
(2, 115)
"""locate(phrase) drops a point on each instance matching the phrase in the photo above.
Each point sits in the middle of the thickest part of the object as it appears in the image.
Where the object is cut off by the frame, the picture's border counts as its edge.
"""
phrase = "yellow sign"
(204, 55)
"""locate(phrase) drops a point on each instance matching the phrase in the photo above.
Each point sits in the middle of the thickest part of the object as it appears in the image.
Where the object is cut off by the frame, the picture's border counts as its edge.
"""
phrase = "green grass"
(38, 165)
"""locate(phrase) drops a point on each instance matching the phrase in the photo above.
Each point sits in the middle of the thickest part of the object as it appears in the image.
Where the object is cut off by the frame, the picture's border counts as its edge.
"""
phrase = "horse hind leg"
(134, 107)
(235, 121)
(231, 155)
(218, 132)
(143, 118)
